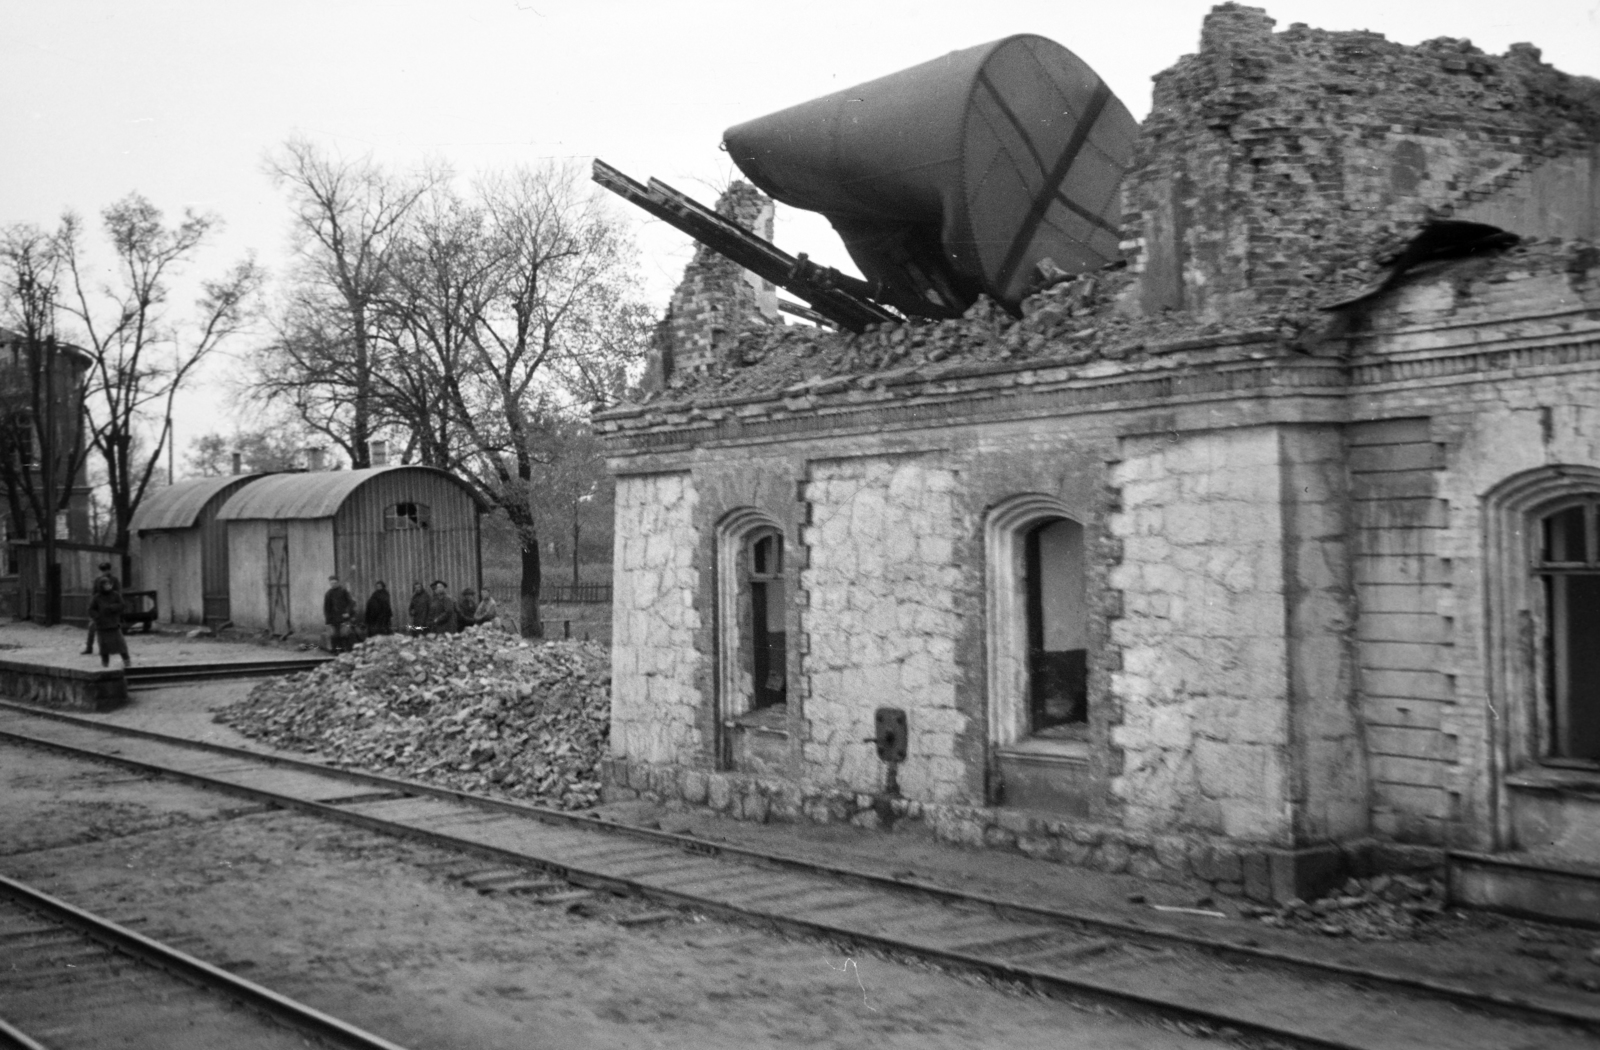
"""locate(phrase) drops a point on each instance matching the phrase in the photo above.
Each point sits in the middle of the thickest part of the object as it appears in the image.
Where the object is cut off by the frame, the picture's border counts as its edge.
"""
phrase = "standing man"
(105, 616)
(338, 610)
(94, 588)
(441, 610)
(417, 614)
(380, 614)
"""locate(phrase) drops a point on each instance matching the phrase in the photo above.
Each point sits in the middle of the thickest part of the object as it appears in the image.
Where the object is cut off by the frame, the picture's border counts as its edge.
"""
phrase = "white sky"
(181, 99)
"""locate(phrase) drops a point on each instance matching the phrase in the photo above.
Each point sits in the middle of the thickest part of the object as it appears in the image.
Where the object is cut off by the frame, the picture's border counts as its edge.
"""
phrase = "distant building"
(180, 549)
(20, 463)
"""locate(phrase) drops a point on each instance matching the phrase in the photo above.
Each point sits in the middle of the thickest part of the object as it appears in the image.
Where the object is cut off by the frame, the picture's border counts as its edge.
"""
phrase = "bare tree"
(141, 360)
(518, 306)
(348, 221)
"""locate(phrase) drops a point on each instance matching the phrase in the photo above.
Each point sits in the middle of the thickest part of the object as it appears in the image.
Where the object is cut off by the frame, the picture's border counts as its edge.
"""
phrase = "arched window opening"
(1567, 564)
(1037, 626)
(1057, 628)
(765, 648)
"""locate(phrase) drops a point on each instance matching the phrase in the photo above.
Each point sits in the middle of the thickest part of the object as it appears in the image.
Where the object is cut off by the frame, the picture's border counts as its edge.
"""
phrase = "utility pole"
(47, 466)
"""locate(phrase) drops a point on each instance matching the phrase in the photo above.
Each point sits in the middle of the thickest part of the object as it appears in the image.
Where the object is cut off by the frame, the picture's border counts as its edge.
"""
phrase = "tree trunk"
(531, 625)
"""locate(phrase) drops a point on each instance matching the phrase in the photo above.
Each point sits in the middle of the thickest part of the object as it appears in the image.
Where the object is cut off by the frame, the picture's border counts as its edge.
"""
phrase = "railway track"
(1217, 982)
(146, 677)
(70, 979)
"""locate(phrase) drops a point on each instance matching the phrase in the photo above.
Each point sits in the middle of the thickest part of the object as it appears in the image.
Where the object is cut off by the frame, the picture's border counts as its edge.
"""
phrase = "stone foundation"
(1220, 866)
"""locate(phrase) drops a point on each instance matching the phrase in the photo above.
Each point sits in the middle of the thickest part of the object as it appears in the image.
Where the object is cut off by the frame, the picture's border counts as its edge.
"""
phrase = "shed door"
(278, 577)
(214, 570)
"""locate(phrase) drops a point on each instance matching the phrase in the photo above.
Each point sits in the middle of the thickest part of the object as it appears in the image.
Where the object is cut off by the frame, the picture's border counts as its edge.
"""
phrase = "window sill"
(770, 721)
(1559, 780)
(1048, 750)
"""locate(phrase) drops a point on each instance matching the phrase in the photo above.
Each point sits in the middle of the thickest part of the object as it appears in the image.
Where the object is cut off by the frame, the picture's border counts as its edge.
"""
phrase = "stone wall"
(881, 584)
(1205, 733)
(656, 707)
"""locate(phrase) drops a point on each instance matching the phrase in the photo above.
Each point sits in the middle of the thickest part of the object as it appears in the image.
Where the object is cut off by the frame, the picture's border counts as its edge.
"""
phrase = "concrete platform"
(64, 688)
(45, 666)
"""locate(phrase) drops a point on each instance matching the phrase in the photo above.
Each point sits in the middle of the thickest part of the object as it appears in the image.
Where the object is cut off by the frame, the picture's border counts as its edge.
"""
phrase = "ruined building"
(1179, 573)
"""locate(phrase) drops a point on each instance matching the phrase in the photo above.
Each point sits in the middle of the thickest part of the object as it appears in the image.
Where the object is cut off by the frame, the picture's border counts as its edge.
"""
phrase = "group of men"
(435, 613)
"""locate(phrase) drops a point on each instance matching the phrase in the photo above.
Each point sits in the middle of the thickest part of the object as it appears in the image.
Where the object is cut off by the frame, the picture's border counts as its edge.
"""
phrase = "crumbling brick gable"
(1272, 163)
(716, 297)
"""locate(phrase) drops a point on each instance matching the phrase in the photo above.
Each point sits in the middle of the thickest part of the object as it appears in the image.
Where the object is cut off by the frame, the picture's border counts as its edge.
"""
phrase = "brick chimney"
(315, 459)
(378, 453)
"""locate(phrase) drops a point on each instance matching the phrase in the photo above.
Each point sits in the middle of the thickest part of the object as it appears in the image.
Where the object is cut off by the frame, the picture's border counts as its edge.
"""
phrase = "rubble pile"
(1073, 321)
(477, 711)
(1384, 907)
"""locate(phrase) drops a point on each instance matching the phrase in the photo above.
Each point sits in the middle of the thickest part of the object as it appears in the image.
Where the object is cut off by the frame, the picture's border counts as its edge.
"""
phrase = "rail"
(295, 1015)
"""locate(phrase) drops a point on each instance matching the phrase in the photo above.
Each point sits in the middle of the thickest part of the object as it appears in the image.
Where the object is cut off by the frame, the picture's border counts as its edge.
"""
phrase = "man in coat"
(94, 588)
(380, 614)
(441, 610)
(466, 609)
(417, 613)
(338, 611)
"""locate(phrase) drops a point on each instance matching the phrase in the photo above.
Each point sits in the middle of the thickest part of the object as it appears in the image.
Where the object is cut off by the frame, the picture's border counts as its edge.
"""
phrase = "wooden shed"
(288, 532)
(180, 549)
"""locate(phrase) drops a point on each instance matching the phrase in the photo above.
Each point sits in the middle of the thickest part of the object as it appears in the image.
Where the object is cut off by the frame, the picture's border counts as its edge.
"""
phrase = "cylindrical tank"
(957, 176)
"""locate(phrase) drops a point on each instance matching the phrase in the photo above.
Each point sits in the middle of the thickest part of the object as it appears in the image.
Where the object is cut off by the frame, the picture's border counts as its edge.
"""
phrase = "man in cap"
(94, 588)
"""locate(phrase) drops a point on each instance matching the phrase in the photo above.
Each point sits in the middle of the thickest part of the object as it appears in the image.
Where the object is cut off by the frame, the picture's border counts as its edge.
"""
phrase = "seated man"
(466, 609)
(488, 611)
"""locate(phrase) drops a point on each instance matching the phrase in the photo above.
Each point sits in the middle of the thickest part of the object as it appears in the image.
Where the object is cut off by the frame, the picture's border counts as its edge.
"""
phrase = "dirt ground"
(1473, 948)
(379, 932)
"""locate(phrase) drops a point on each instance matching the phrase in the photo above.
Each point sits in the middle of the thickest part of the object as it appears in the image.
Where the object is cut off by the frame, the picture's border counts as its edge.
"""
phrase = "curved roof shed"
(321, 494)
(181, 505)
(289, 532)
(181, 549)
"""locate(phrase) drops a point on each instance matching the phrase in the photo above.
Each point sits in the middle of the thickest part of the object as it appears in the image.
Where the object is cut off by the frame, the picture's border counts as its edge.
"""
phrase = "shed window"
(406, 516)
(1568, 565)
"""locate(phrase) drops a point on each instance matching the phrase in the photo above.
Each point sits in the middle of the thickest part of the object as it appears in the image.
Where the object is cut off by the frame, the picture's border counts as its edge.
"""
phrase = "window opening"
(401, 516)
(1568, 566)
(767, 636)
(1057, 630)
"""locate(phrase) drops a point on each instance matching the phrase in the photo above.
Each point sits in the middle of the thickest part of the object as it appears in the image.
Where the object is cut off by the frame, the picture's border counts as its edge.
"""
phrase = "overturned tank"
(956, 177)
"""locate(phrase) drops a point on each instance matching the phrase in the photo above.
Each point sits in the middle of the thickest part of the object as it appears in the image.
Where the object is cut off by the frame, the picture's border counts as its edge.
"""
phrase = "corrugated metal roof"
(317, 494)
(178, 506)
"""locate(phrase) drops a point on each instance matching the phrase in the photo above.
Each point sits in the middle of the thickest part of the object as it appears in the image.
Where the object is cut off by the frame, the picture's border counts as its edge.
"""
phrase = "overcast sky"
(181, 99)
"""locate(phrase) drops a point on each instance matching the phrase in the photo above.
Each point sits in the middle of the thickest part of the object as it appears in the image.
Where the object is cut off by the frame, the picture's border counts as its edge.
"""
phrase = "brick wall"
(1402, 585)
(716, 297)
(1275, 165)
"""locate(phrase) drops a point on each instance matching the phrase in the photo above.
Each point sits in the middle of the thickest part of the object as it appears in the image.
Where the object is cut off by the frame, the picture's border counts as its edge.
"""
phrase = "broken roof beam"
(839, 298)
